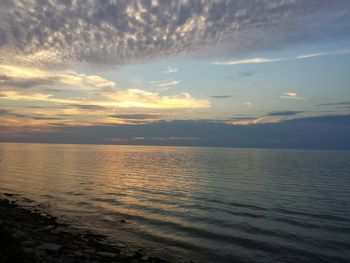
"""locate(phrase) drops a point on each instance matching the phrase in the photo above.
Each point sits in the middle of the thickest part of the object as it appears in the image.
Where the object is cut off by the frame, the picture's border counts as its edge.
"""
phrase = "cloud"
(174, 138)
(131, 98)
(140, 116)
(222, 96)
(9, 113)
(87, 107)
(164, 84)
(253, 121)
(321, 54)
(143, 99)
(247, 73)
(323, 132)
(171, 70)
(247, 61)
(92, 92)
(242, 118)
(291, 95)
(269, 60)
(115, 32)
(341, 103)
(284, 113)
(24, 77)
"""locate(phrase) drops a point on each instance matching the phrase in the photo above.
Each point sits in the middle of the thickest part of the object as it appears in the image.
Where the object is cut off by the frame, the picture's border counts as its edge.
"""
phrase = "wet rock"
(50, 247)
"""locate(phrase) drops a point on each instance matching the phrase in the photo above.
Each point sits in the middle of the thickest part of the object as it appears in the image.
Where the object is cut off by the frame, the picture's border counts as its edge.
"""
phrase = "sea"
(199, 204)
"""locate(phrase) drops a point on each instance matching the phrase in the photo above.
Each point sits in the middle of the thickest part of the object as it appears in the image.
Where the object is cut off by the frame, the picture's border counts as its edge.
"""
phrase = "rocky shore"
(28, 235)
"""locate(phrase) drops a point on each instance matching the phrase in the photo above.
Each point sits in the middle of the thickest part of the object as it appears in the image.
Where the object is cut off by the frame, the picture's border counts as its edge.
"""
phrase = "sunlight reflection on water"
(210, 204)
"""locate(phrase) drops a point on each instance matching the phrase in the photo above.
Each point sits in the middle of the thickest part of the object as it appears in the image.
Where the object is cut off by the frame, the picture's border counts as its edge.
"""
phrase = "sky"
(259, 73)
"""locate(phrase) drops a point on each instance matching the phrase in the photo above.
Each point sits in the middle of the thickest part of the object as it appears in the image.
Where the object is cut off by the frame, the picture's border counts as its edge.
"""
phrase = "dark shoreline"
(29, 235)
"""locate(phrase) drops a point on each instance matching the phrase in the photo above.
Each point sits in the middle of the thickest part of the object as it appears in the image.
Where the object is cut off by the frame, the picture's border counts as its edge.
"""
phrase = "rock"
(50, 247)
(123, 221)
(28, 243)
(40, 254)
(79, 254)
(28, 250)
(70, 246)
(60, 229)
(126, 254)
(49, 227)
(120, 245)
(107, 254)
(138, 254)
(90, 251)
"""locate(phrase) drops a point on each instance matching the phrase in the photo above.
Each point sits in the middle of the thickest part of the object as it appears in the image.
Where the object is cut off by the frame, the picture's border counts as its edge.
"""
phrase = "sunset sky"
(220, 73)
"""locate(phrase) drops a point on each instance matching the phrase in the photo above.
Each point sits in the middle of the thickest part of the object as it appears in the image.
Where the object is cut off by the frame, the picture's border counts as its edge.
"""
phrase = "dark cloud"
(43, 118)
(222, 96)
(135, 116)
(341, 103)
(52, 90)
(247, 73)
(325, 132)
(242, 118)
(18, 82)
(284, 113)
(44, 107)
(87, 107)
(9, 113)
(341, 120)
(119, 31)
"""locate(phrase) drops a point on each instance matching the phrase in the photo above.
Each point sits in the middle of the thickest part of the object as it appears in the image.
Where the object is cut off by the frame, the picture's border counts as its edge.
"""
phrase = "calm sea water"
(205, 204)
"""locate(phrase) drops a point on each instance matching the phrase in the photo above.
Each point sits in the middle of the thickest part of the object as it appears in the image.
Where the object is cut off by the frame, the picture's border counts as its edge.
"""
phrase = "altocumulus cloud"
(116, 32)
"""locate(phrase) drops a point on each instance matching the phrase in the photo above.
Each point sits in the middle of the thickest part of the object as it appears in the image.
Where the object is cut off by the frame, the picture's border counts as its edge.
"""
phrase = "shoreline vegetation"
(28, 235)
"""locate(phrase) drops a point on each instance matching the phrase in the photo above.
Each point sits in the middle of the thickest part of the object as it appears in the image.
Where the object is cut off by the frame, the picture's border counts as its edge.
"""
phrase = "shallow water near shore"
(204, 204)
